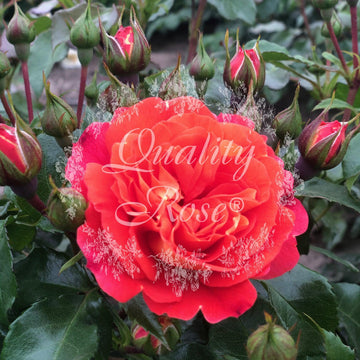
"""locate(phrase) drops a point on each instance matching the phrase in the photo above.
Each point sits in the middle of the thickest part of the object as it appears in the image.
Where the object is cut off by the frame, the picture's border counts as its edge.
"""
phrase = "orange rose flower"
(185, 207)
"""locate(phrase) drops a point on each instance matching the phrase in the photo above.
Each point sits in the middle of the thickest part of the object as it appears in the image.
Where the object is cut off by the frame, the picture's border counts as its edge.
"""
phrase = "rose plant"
(164, 218)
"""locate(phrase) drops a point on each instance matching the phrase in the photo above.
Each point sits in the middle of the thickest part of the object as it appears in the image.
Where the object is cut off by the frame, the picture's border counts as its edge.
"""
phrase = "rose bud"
(172, 86)
(336, 24)
(202, 67)
(85, 36)
(323, 144)
(66, 208)
(324, 4)
(4, 65)
(59, 119)
(288, 121)
(92, 91)
(271, 342)
(20, 32)
(128, 51)
(20, 154)
(352, 3)
(245, 66)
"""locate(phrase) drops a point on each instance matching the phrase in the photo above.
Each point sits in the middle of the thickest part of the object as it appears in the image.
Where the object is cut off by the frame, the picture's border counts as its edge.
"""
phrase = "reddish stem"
(25, 71)
(37, 203)
(306, 21)
(337, 47)
(81, 93)
(194, 26)
(7, 108)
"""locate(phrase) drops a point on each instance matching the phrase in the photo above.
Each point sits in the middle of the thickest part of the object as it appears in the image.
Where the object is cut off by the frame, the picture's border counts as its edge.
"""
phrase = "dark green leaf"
(335, 104)
(190, 352)
(319, 188)
(7, 278)
(236, 10)
(349, 311)
(54, 329)
(137, 310)
(54, 161)
(20, 235)
(335, 349)
(351, 162)
(297, 297)
(38, 277)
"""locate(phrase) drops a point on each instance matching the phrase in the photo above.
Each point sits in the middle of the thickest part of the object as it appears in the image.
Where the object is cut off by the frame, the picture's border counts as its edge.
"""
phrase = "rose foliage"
(184, 206)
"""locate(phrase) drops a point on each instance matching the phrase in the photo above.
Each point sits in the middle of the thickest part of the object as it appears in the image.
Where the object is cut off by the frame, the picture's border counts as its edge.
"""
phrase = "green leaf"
(319, 188)
(54, 329)
(335, 104)
(236, 10)
(137, 310)
(7, 277)
(335, 349)
(20, 235)
(297, 297)
(348, 296)
(72, 261)
(351, 162)
(53, 163)
(42, 59)
(333, 256)
(38, 277)
(190, 352)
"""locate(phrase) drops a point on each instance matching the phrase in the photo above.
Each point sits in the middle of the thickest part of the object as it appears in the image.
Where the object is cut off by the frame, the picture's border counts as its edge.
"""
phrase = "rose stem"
(337, 47)
(25, 71)
(194, 26)
(306, 22)
(355, 48)
(7, 108)
(83, 77)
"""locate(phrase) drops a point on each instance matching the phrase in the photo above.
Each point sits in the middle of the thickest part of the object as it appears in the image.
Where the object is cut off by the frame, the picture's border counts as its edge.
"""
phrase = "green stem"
(25, 71)
(7, 108)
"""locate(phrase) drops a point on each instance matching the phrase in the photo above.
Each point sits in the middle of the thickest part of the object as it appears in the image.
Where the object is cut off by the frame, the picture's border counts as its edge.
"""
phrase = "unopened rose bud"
(289, 121)
(20, 32)
(271, 342)
(66, 209)
(324, 4)
(336, 25)
(202, 67)
(246, 66)
(128, 51)
(172, 86)
(84, 34)
(59, 119)
(92, 91)
(323, 144)
(20, 154)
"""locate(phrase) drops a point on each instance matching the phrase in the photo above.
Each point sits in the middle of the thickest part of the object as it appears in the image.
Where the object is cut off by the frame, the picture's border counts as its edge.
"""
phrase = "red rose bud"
(244, 67)
(20, 154)
(66, 208)
(202, 67)
(323, 144)
(128, 51)
(173, 86)
(289, 121)
(336, 24)
(324, 4)
(20, 32)
(271, 342)
(59, 119)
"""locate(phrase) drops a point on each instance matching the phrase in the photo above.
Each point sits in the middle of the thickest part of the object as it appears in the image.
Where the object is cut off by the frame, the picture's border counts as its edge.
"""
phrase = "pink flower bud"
(128, 51)
(323, 144)
(244, 67)
(20, 155)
